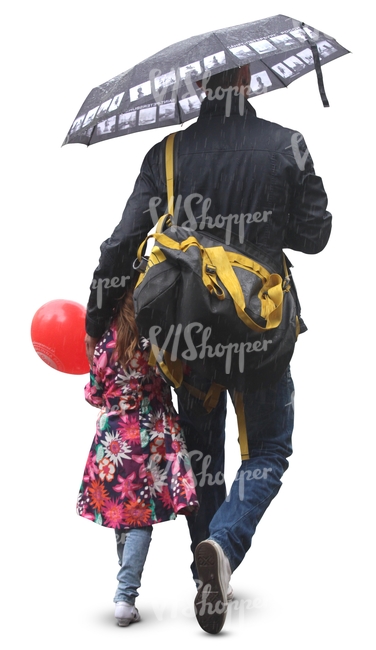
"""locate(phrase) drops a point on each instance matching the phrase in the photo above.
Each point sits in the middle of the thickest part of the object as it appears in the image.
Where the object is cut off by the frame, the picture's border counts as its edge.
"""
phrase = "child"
(138, 471)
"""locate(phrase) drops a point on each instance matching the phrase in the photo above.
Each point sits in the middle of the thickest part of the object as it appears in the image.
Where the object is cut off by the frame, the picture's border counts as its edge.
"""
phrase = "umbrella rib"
(232, 56)
(204, 37)
(181, 121)
(273, 73)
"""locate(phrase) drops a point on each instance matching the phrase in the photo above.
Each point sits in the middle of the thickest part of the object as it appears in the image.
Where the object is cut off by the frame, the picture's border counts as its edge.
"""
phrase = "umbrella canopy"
(162, 90)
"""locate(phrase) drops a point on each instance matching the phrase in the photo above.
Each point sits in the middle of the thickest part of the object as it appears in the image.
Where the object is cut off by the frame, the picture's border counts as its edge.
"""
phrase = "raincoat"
(138, 471)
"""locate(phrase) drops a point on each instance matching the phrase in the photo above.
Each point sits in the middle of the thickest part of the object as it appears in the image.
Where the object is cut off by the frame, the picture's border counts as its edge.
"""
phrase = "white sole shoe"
(214, 574)
(126, 614)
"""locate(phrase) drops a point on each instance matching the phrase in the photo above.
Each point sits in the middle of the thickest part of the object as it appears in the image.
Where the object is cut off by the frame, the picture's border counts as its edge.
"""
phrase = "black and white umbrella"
(161, 90)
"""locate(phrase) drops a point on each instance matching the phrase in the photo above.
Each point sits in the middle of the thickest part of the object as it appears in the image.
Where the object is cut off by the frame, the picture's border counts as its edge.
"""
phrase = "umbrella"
(162, 90)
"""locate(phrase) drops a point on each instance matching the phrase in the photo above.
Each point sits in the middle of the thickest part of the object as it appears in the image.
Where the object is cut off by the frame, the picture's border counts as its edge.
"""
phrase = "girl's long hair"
(127, 331)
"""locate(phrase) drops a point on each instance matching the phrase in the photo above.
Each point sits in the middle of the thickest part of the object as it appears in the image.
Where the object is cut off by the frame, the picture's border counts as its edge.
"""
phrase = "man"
(229, 163)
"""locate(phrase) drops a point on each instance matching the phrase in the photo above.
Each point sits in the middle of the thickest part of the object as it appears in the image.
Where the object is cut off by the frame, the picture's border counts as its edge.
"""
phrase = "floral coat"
(138, 471)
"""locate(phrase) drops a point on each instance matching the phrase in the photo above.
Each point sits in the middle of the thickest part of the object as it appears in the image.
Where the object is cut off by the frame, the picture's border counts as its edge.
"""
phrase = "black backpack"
(221, 310)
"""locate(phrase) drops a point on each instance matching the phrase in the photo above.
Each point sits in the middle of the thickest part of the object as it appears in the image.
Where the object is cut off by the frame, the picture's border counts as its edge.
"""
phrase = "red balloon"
(57, 333)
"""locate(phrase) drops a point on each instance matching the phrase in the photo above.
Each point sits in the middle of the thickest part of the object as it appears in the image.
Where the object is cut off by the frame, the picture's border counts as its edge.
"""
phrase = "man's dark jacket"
(252, 179)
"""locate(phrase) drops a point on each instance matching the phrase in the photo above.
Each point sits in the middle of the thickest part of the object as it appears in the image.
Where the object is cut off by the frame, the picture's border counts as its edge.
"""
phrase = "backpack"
(220, 309)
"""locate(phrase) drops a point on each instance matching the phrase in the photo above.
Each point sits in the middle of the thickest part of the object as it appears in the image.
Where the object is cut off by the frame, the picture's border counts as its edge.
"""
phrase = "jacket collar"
(233, 105)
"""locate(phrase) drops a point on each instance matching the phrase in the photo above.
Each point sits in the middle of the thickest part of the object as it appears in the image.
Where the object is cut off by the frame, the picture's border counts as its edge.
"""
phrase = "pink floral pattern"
(138, 471)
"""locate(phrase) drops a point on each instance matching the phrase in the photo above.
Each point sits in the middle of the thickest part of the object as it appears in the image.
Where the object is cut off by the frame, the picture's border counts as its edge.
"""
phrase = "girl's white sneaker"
(126, 614)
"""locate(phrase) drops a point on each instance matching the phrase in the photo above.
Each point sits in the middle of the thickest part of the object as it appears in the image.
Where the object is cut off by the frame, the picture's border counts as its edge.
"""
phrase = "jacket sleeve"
(94, 389)
(93, 392)
(309, 223)
(115, 269)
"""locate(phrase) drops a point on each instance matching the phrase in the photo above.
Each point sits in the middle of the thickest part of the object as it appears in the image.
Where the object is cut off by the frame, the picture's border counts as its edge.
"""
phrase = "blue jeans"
(269, 417)
(132, 548)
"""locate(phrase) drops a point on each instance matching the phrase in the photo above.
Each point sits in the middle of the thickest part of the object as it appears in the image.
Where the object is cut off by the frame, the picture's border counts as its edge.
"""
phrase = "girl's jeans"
(132, 548)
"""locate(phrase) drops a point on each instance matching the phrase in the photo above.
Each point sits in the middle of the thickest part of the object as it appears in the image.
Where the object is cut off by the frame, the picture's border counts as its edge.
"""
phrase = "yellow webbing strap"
(170, 172)
(170, 193)
(209, 399)
(196, 392)
(212, 396)
(243, 439)
(173, 370)
(218, 259)
(286, 286)
(155, 236)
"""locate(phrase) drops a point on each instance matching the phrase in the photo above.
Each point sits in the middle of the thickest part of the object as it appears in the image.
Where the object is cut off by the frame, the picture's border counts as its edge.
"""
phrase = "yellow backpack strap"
(243, 438)
(218, 261)
(173, 370)
(212, 396)
(286, 282)
(209, 399)
(165, 220)
(170, 172)
(196, 392)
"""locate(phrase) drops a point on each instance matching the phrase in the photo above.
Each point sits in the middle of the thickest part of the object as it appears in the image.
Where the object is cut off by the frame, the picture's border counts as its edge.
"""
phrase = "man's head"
(236, 78)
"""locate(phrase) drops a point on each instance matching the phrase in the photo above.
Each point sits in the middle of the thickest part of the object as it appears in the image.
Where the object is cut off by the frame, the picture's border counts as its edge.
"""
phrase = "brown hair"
(127, 331)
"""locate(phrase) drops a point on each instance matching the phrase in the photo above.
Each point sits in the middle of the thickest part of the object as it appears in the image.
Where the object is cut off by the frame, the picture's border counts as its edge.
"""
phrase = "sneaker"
(214, 575)
(126, 614)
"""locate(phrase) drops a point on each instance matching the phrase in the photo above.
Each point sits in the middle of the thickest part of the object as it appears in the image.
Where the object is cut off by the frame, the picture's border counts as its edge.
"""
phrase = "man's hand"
(90, 343)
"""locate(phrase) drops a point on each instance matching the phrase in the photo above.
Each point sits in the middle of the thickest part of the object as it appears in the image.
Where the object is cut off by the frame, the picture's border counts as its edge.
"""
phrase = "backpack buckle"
(140, 265)
(286, 283)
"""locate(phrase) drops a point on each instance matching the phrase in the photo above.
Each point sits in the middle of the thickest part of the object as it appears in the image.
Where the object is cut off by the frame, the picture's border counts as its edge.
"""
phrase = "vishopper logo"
(107, 283)
(204, 220)
(242, 91)
(204, 348)
(202, 463)
(249, 475)
(237, 610)
(300, 156)
(169, 84)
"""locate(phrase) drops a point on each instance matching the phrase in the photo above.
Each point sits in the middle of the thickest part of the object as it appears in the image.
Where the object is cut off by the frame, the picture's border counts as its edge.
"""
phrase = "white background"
(308, 580)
